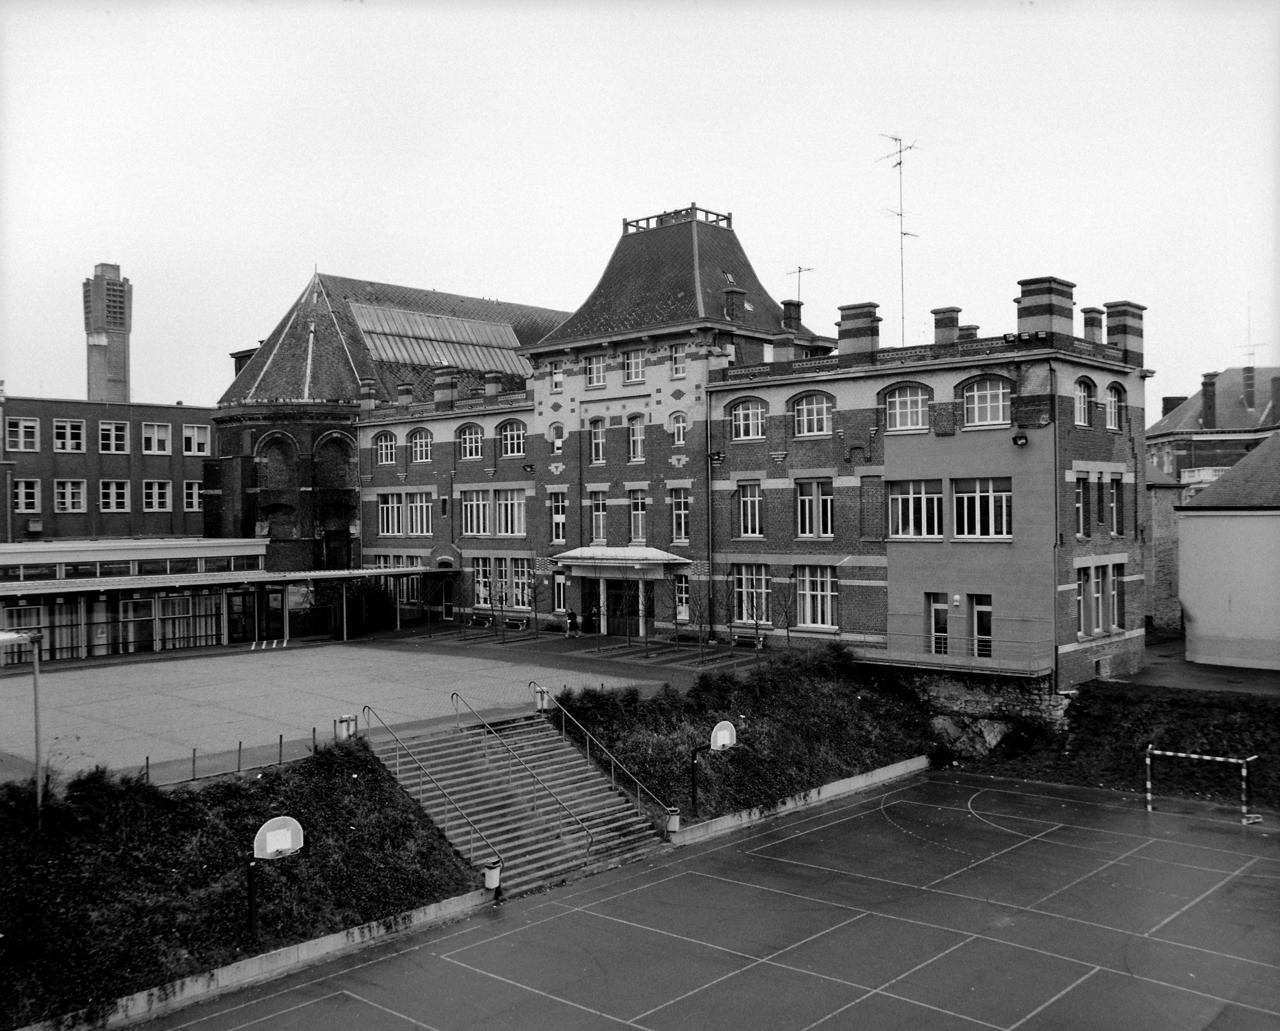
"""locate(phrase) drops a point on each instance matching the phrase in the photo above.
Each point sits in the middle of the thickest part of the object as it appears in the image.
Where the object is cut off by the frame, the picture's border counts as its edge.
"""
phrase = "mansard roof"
(1230, 412)
(672, 270)
(341, 331)
(1253, 482)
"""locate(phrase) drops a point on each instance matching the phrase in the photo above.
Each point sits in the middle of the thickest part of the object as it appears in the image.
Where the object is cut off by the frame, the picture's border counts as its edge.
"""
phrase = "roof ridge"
(342, 337)
(697, 272)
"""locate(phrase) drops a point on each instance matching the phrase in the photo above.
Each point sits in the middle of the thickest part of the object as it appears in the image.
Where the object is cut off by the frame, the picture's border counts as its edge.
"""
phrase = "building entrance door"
(242, 616)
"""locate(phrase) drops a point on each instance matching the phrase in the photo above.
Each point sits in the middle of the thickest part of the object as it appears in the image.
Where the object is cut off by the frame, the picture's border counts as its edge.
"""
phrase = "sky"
(220, 151)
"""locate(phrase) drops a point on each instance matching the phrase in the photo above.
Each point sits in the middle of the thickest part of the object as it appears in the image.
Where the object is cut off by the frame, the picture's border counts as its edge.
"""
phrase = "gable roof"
(674, 272)
(1230, 412)
(340, 331)
(1253, 482)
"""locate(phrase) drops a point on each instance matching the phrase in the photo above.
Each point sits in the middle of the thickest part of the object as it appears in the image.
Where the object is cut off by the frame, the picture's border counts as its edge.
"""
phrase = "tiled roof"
(673, 275)
(1157, 477)
(341, 331)
(1253, 482)
(1229, 408)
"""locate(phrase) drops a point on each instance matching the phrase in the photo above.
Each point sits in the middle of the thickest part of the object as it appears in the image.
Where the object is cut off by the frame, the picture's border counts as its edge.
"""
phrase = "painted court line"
(387, 1009)
(1049, 1002)
(1200, 898)
(1086, 876)
(986, 859)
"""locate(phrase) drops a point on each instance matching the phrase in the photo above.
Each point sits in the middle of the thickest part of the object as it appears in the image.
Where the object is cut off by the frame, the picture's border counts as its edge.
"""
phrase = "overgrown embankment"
(128, 887)
(1110, 725)
(801, 722)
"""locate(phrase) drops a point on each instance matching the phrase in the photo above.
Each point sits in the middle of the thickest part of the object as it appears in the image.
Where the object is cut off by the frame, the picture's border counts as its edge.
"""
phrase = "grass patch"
(128, 887)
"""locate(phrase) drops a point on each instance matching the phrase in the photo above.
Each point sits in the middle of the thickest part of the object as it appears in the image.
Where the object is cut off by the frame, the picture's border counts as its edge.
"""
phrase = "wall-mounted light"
(1019, 440)
(528, 468)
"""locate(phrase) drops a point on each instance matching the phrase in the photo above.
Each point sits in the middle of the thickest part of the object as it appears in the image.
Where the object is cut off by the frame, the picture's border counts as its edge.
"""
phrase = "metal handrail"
(456, 698)
(369, 711)
(614, 763)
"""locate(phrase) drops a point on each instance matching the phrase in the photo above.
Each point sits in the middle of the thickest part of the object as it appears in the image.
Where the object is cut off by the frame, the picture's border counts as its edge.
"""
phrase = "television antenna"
(900, 153)
(798, 272)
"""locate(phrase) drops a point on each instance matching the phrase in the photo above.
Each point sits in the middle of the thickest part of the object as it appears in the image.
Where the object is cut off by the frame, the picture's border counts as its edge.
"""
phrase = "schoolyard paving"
(950, 901)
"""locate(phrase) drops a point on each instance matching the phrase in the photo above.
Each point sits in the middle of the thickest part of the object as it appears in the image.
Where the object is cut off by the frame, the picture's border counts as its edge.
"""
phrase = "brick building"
(686, 454)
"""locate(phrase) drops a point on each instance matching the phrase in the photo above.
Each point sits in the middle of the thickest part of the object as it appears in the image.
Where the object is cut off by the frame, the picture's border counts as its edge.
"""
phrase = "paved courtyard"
(948, 902)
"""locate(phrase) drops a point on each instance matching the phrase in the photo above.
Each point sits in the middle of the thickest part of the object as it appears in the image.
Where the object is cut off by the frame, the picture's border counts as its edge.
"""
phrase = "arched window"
(986, 402)
(420, 446)
(511, 438)
(556, 432)
(746, 420)
(596, 430)
(384, 447)
(277, 458)
(907, 408)
(813, 415)
(1084, 402)
(470, 442)
(1115, 406)
(635, 438)
(679, 427)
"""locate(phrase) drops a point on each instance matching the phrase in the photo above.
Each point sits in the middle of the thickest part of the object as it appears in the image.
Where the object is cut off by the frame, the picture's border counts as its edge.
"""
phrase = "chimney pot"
(1248, 387)
(968, 333)
(1046, 305)
(1092, 324)
(1124, 329)
(1209, 401)
(492, 382)
(946, 325)
(791, 315)
(443, 386)
(858, 331)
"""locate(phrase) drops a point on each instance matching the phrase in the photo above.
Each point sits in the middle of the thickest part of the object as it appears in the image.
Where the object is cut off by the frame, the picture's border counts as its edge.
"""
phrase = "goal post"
(1246, 817)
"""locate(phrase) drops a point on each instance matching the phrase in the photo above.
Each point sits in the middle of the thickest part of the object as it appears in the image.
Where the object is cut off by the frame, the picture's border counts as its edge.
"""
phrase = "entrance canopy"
(630, 562)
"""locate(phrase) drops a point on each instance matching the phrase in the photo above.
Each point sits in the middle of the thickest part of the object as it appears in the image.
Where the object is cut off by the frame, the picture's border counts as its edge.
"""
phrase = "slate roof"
(341, 330)
(673, 275)
(1157, 477)
(1230, 412)
(1253, 482)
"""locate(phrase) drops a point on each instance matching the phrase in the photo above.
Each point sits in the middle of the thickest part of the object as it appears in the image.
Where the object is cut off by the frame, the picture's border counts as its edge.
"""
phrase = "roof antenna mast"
(899, 154)
(798, 272)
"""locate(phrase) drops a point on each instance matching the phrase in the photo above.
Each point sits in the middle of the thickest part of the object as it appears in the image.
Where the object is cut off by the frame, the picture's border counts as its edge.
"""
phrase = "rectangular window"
(113, 438)
(418, 514)
(557, 376)
(595, 370)
(681, 592)
(915, 508)
(482, 579)
(195, 440)
(68, 435)
(679, 360)
(559, 505)
(559, 592)
(156, 496)
(68, 496)
(635, 439)
(192, 499)
(814, 509)
(637, 503)
(633, 365)
(680, 506)
(1116, 596)
(113, 496)
(156, 438)
(390, 514)
(522, 582)
(983, 507)
(1084, 624)
(816, 596)
(813, 415)
(751, 593)
(599, 516)
(980, 625)
(1115, 506)
(596, 429)
(1082, 506)
(939, 634)
(475, 512)
(510, 512)
(26, 495)
(749, 521)
(1099, 597)
(22, 434)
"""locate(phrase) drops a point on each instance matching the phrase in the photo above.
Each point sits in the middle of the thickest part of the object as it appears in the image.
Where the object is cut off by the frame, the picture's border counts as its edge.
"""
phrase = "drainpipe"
(1057, 517)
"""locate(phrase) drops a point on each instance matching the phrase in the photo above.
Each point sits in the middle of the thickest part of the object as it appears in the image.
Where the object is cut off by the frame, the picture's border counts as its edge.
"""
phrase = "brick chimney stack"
(443, 386)
(404, 394)
(1249, 395)
(946, 325)
(791, 315)
(1209, 402)
(1092, 324)
(492, 383)
(968, 332)
(1124, 329)
(1046, 305)
(858, 331)
(733, 298)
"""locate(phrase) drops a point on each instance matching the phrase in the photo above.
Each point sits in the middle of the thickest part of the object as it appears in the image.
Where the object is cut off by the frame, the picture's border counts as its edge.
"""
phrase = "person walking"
(571, 625)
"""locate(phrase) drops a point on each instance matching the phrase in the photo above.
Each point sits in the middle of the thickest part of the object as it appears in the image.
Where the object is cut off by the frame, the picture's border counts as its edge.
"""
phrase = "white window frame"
(68, 496)
(157, 496)
(113, 496)
(817, 596)
(1081, 502)
(470, 442)
(521, 582)
(679, 429)
(637, 505)
(558, 503)
(679, 360)
(815, 509)
(26, 496)
(635, 438)
(596, 437)
(681, 507)
(556, 430)
(192, 498)
(988, 505)
(981, 645)
(595, 370)
(390, 515)
(599, 504)
(633, 365)
(916, 509)
(417, 513)
(509, 512)
(1115, 506)
(987, 402)
(1084, 402)
(68, 436)
(22, 434)
(482, 582)
(475, 513)
(556, 371)
(196, 439)
(812, 415)
(113, 437)
(157, 438)
(1115, 404)
(511, 437)
(559, 591)
(747, 420)
(906, 408)
(1115, 593)
(750, 510)
(681, 596)
(384, 448)
(420, 444)
(938, 625)
(750, 593)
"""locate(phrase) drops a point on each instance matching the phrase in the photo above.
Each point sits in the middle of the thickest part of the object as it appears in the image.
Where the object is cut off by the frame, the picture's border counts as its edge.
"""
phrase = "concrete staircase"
(540, 842)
